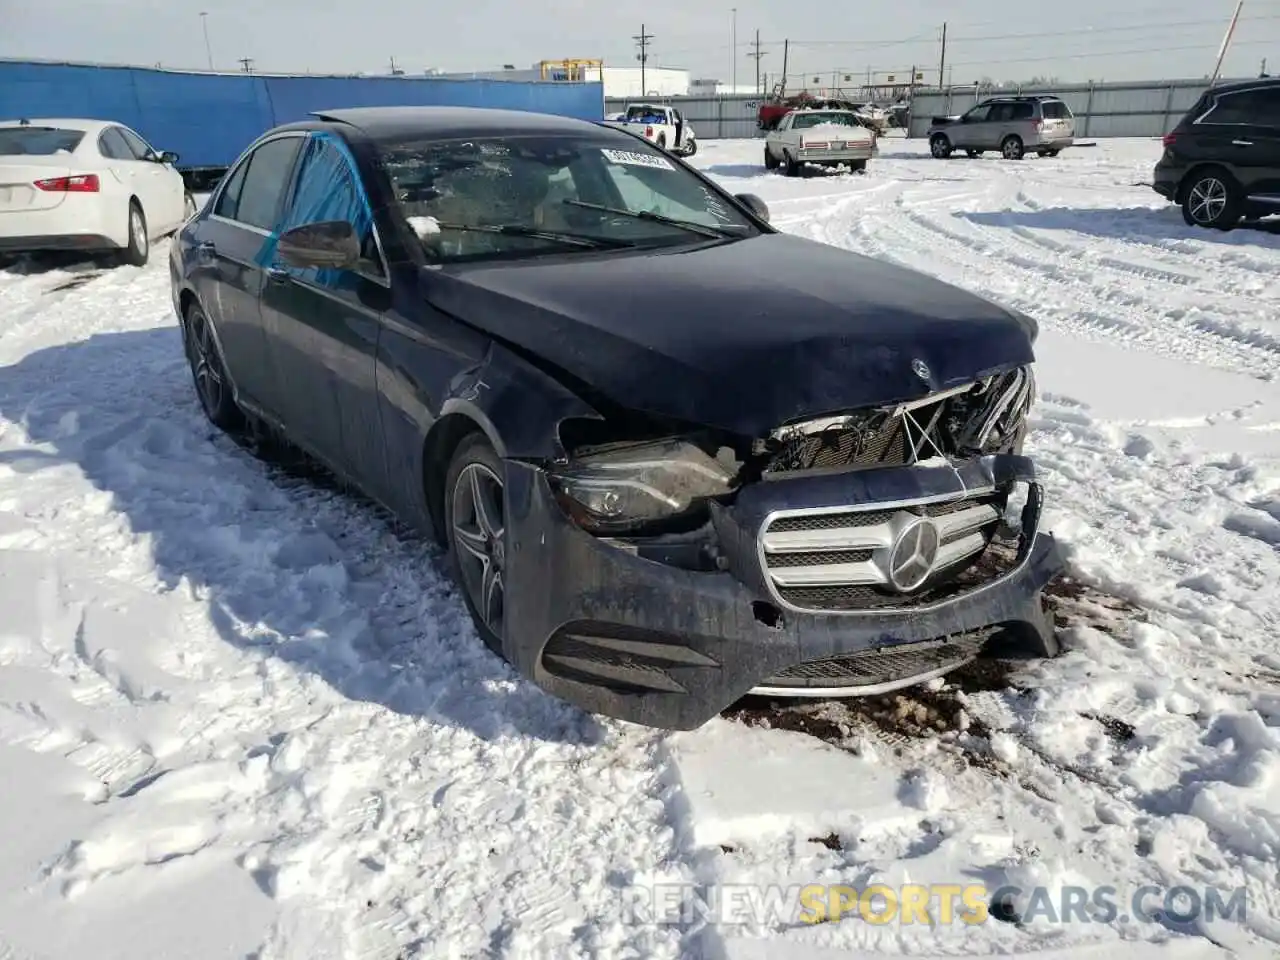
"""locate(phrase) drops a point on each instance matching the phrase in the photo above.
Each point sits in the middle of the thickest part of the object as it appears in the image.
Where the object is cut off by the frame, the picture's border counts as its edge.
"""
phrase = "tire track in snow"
(331, 723)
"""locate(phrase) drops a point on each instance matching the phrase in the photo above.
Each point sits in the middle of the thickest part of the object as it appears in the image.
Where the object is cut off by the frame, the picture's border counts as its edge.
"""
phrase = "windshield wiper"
(699, 228)
(520, 230)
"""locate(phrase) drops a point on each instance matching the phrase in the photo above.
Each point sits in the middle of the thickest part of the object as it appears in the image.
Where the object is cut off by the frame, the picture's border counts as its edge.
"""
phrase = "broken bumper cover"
(671, 647)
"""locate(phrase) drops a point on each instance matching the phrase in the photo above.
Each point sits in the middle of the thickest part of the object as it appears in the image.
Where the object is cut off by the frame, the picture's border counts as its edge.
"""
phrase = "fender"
(519, 407)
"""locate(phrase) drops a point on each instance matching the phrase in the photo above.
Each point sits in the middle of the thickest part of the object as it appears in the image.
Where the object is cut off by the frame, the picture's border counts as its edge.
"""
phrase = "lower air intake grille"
(877, 668)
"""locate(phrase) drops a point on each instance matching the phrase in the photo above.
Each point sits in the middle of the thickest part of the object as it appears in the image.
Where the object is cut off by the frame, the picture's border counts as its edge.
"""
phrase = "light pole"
(204, 25)
(733, 52)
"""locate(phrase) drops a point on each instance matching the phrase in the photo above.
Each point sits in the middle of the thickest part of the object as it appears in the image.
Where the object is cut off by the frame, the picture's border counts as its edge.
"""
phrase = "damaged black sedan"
(675, 455)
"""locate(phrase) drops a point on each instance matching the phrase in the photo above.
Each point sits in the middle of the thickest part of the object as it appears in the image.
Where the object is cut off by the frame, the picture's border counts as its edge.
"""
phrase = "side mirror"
(754, 204)
(167, 156)
(330, 244)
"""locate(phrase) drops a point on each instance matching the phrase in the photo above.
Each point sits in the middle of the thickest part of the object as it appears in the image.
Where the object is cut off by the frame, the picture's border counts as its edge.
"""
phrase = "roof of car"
(1238, 85)
(64, 123)
(392, 123)
(1020, 98)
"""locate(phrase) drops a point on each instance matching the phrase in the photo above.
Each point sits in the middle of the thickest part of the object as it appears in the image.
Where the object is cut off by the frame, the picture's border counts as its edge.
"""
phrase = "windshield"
(508, 197)
(804, 120)
(37, 141)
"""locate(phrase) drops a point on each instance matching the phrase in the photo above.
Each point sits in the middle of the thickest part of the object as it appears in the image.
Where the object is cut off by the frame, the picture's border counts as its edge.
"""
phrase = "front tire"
(1212, 199)
(139, 246)
(662, 141)
(475, 527)
(940, 146)
(209, 372)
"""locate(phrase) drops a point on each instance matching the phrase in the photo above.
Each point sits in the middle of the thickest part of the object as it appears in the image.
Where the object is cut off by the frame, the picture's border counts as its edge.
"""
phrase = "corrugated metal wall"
(209, 118)
(1147, 109)
(1136, 109)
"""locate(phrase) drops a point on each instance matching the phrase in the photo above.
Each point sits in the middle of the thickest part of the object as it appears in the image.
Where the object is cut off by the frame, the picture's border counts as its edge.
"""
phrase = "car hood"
(743, 336)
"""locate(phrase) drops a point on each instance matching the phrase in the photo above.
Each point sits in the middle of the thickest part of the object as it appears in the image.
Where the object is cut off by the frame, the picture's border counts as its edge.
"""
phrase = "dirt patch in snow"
(950, 709)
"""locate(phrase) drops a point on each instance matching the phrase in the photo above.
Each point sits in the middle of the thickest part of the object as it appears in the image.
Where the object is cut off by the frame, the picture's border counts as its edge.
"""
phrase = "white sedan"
(827, 137)
(86, 185)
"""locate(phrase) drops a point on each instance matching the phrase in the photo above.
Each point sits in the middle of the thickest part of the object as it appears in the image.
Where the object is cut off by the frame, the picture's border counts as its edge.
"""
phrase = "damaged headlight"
(626, 487)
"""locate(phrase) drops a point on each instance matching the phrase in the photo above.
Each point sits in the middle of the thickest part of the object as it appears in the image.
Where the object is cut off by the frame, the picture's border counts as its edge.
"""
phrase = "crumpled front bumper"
(702, 640)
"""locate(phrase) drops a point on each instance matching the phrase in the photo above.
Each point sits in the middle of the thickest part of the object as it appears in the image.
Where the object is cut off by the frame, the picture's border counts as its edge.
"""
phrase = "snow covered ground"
(242, 714)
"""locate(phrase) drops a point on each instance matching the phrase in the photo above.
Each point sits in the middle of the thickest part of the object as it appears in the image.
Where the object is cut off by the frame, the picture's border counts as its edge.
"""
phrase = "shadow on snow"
(291, 565)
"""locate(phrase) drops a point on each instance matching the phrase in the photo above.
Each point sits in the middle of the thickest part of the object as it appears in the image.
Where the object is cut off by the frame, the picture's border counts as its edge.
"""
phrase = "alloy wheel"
(479, 539)
(1207, 200)
(211, 383)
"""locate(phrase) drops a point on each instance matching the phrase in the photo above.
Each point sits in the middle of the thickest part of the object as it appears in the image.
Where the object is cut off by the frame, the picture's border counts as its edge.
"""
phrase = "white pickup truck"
(662, 126)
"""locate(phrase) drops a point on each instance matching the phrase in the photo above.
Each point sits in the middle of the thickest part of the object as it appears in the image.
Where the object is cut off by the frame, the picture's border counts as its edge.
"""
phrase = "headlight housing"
(625, 487)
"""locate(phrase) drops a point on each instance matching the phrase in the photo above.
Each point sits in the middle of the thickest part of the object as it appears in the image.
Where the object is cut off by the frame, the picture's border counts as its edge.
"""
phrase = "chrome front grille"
(849, 559)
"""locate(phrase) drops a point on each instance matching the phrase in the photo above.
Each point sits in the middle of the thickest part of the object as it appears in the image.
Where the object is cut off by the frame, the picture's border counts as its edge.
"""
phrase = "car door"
(228, 257)
(968, 133)
(778, 136)
(1245, 130)
(143, 177)
(322, 325)
(165, 182)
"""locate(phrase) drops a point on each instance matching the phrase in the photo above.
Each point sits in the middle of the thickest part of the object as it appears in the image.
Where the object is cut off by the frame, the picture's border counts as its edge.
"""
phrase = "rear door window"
(1021, 111)
(38, 141)
(1056, 110)
(1245, 107)
(262, 185)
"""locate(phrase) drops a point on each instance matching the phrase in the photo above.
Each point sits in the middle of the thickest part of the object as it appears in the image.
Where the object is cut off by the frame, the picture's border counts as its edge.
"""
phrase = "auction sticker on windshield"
(627, 158)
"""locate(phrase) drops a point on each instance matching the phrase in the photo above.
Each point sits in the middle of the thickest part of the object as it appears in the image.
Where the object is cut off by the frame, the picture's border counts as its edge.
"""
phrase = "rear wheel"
(209, 372)
(476, 531)
(770, 161)
(1212, 199)
(940, 146)
(139, 247)
(858, 166)
(791, 167)
(1011, 148)
(690, 148)
(662, 141)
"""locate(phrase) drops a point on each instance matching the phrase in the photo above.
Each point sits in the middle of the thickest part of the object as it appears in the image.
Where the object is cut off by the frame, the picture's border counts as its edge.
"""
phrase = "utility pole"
(246, 63)
(733, 56)
(786, 46)
(643, 41)
(1226, 42)
(756, 55)
(942, 64)
(204, 25)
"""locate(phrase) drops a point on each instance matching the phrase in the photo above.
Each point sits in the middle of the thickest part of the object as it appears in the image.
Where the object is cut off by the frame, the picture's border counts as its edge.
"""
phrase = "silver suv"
(1015, 126)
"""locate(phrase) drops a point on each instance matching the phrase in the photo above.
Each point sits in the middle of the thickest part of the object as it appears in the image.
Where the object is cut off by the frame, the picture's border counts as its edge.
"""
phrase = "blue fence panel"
(208, 119)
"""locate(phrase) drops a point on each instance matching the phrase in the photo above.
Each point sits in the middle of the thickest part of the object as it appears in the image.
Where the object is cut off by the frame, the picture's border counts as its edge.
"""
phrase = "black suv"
(1221, 163)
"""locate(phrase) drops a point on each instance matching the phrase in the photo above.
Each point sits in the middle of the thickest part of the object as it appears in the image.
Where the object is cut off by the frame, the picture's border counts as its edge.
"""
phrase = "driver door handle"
(1242, 143)
(277, 274)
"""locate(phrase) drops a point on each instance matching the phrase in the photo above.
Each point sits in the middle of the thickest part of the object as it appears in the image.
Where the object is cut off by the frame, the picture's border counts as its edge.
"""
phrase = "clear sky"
(1000, 39)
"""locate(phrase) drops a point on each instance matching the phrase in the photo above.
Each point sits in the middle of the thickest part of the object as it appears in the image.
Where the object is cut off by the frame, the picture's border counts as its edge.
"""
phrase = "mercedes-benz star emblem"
(920, 369)
(913, 554)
